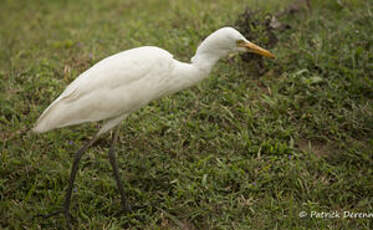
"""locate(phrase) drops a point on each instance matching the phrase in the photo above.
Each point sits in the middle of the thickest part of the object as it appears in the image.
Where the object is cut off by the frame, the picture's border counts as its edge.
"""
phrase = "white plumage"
(123, 83)
(112, 88)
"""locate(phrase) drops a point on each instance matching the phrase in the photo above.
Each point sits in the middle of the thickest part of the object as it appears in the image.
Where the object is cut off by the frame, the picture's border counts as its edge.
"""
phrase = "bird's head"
(227, 40)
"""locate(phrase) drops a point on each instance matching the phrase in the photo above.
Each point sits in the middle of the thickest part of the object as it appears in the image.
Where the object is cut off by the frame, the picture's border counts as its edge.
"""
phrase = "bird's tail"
(43, 124)
(51, 117)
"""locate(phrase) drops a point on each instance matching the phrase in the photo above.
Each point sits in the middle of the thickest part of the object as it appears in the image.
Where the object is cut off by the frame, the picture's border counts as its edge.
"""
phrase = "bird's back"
(116, 85)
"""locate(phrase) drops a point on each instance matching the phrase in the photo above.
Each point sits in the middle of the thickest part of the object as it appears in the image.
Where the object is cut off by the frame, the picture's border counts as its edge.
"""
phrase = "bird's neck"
(201, 66)
(189, 74)
(204, 61)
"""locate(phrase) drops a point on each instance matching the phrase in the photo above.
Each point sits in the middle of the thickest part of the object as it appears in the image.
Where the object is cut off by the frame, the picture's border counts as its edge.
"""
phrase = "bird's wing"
(118, 70)
(100, 82)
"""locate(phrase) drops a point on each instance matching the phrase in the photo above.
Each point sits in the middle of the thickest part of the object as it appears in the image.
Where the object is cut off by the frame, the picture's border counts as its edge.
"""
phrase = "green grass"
(239, 151)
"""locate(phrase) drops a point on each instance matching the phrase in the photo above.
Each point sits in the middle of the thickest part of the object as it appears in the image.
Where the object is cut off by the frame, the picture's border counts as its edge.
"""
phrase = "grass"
(238, 151)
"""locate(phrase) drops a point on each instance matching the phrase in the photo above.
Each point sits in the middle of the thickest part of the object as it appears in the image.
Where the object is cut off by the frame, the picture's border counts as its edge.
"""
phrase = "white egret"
(123, 83)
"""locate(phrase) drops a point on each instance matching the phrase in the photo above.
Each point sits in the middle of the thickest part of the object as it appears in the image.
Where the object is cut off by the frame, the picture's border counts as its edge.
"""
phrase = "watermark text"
(335, 214)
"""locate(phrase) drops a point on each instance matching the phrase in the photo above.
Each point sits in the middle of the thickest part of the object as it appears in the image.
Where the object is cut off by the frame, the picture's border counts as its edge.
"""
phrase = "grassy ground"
(239, 151)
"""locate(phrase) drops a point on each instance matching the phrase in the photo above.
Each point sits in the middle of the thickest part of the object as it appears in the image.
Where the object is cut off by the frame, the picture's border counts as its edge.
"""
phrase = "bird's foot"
(129, 209)
(46, 216)
(69, 218)
(126, 208)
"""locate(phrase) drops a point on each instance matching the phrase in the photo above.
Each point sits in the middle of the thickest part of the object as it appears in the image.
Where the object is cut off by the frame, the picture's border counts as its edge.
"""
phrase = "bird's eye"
(240, 42)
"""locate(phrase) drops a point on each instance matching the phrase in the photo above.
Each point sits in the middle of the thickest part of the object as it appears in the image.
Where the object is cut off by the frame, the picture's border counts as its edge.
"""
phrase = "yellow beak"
(256, 49)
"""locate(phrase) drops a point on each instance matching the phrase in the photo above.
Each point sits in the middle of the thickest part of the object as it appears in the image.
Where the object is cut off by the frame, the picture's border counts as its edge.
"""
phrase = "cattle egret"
(123, 83)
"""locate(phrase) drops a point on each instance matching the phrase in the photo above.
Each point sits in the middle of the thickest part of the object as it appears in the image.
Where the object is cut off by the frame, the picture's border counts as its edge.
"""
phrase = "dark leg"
(74, 169)
(113, 162)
